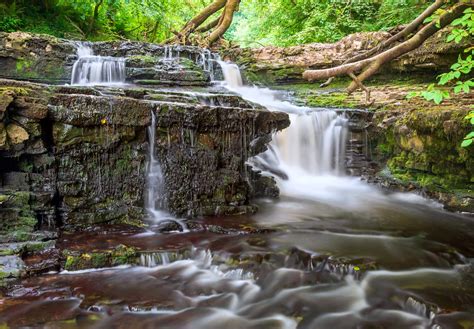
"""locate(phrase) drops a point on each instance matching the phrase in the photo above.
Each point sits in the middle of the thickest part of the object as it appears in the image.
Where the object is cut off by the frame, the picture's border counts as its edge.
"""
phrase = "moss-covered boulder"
(44, 58)
(421, 148)
(120, 255)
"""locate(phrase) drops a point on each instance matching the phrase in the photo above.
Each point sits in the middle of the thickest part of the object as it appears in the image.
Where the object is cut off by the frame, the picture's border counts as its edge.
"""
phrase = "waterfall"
(313, 145)
(94, 70)
(155, 185)
(232, 75)
(155, 198)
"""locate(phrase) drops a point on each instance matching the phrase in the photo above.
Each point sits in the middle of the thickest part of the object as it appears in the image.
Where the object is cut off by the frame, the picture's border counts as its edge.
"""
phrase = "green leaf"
(412, 94)
(438, 98)
(466, 142)
(455, 66)
(470, 135)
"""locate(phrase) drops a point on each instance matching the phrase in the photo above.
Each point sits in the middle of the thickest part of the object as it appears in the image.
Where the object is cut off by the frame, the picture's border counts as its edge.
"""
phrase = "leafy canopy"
(258, 22)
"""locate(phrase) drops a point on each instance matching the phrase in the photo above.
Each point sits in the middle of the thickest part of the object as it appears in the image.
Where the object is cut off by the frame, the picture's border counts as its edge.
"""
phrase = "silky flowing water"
(332, 252)
(97, 70)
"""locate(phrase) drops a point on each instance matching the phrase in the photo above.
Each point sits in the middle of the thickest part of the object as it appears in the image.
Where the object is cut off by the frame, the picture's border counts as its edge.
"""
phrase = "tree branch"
(371, 65)
(405, 32)
(226, 19)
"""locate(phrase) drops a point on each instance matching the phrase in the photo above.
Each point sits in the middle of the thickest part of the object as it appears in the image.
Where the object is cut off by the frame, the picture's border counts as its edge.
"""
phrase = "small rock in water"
(170, 226)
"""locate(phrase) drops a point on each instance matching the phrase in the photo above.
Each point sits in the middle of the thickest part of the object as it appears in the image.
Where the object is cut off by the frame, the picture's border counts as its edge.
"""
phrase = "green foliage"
(469, 138)
(459, 75)
(291, 22)
(147, 20)
(9, 20)
(430, 94)
(265, 22)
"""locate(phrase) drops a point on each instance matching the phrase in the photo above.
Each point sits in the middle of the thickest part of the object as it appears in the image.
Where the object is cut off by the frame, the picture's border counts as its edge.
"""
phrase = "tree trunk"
(209, 26)
(200, 18)
(227, 17)
(95, 15)
(217, 27)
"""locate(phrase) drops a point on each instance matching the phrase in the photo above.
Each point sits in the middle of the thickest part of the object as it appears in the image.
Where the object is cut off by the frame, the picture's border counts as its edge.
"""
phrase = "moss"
(25, 68)
(271, 75)
(333, 99)
(142, 61)
(19, 91)
(120, 255)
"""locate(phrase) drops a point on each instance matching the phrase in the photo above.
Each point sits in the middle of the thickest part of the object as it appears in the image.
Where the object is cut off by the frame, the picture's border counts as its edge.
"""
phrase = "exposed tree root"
(194, 32)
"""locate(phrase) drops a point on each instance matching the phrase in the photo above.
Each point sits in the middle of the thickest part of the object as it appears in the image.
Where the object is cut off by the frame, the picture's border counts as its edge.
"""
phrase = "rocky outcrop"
(277, 65)
(421, 150)
(32, 57)
(77, 156)
(74, 157)
(43, 58)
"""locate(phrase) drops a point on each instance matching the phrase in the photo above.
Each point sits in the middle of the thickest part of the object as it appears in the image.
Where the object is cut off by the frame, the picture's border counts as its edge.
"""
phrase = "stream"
(331, 252)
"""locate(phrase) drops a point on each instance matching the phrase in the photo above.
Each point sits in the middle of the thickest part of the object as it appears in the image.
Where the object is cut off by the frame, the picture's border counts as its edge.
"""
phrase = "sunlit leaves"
(469, 138)
(463, 67)
(431, 94)
(292, 22)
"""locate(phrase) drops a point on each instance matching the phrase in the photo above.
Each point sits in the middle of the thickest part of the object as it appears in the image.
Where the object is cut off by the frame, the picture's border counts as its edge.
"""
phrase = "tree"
(411, 37)
(194, 32)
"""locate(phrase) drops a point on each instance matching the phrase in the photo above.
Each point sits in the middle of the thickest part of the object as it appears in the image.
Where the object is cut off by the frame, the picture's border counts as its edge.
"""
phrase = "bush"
(10, 24)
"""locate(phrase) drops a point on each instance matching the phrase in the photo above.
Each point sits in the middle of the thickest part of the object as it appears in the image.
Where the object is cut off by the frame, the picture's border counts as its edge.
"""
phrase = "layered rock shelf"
(73, 157)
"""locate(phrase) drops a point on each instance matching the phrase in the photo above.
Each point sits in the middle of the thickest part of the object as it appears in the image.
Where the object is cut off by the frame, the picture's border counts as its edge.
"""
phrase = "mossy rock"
(120, 255)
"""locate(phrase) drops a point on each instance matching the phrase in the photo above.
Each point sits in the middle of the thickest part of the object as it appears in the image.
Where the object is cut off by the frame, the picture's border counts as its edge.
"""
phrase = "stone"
(3, 136)
(6, 97)
(31, 108)
(10, 267)
(16, 134)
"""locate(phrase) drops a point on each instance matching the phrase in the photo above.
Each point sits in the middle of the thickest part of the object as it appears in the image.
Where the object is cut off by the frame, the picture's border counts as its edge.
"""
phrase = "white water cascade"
(155, 185)
(155, 199)
(97, 70)
(314, 144)
(308, 158)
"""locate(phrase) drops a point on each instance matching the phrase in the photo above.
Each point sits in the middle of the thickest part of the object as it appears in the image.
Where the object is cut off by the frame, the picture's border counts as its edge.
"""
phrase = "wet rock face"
(70, 159)
(74, 156)
(207, 147)
(40, 58)
(421, 150)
